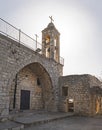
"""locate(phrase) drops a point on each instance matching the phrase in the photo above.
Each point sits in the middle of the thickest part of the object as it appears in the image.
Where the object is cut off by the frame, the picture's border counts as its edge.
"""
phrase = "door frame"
(25, 103)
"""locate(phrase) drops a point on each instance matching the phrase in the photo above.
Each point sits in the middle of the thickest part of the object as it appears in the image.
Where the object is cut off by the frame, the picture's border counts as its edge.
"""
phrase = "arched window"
(47, 39)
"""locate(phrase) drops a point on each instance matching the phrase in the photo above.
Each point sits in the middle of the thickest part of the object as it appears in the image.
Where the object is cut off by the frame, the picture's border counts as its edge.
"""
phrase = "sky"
(78, 21)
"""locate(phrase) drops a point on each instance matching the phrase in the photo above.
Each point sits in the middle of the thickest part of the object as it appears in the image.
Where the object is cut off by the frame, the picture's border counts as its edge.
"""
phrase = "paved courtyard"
(72, 123)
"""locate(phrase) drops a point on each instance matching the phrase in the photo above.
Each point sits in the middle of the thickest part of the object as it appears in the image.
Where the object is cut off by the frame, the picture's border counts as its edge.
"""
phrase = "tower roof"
(50, 25)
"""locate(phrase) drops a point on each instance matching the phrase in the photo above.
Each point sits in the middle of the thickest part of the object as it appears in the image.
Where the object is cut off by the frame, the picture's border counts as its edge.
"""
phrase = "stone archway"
(35, 80)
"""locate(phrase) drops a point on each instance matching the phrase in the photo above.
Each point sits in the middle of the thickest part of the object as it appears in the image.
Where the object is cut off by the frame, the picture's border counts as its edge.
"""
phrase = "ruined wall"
(14, 57)
(96, 95)
(79, 91)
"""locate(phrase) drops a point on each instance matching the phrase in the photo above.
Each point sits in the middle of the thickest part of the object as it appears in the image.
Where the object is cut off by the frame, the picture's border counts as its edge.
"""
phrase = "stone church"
(32, 79)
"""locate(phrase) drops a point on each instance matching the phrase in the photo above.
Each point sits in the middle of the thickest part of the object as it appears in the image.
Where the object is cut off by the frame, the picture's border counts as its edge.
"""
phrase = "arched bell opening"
(47, 46)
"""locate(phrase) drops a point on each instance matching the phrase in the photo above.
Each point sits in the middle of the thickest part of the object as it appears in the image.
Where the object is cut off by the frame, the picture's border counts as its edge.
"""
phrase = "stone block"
(22, 127)
(16, 128)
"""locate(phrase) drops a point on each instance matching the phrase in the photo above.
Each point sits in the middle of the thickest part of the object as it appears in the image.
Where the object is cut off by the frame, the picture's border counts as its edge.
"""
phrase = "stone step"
(29, 119)
(41, 119)
(10, 125)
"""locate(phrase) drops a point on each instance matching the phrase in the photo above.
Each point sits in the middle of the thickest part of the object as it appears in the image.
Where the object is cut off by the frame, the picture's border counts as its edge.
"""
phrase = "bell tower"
(51, 42)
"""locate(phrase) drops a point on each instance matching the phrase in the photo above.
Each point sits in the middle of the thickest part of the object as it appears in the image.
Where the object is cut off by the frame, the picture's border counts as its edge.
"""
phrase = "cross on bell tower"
(51, 18)
(51, 42)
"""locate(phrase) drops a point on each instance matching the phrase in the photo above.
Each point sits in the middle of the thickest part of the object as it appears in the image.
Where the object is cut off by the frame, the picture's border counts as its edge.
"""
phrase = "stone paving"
(32, 120)
(72, 123)
(10, 125)
(20, 120)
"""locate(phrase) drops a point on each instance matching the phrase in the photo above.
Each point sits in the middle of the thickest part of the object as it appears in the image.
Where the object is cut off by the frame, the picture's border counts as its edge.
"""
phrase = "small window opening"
(64, 91)
(38, 82)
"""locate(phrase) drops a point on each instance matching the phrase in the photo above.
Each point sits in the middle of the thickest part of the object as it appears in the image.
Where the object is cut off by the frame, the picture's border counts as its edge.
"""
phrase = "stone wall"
(14, 57)
(79, 91)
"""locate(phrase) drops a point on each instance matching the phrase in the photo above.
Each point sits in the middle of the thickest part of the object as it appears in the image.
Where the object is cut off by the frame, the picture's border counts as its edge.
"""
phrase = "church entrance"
(25, 100)
(31, 89)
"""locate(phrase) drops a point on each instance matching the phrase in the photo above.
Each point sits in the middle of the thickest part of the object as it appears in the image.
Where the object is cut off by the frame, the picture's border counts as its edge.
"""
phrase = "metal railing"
(16, 34)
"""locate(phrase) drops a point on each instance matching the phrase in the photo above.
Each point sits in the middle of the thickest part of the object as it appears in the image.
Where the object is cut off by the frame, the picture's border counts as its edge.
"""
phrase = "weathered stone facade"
(29, 80)
(79, 96)
(28, 65)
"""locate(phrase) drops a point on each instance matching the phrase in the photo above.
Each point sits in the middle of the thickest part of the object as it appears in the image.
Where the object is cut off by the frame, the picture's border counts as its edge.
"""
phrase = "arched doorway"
(31, 89)
(98, 101)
